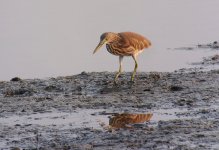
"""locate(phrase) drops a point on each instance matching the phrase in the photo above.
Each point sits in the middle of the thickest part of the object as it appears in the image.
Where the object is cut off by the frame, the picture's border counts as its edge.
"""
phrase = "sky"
(49, 38)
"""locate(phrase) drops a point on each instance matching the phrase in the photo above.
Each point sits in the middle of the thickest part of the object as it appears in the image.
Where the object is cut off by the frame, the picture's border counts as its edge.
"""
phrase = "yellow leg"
(135, 69)
(120, 68)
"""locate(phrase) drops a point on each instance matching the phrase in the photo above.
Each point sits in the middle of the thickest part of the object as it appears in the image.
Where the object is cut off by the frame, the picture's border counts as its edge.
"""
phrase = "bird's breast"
(118, 50)
(111, 49)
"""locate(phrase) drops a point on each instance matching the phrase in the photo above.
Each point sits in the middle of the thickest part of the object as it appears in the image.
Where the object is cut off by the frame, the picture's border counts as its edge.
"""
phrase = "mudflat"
(73, 112)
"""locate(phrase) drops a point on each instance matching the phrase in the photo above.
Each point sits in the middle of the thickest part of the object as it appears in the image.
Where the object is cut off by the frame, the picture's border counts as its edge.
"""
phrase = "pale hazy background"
(45, 38)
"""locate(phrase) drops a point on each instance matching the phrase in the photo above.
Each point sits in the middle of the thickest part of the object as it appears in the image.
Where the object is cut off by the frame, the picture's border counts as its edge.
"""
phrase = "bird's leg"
(136, 66)
(120, 68)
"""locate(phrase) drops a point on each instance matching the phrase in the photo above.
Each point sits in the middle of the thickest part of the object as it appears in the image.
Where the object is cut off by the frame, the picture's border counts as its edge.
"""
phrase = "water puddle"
(80, 118)
(83, 118)
(99, 119)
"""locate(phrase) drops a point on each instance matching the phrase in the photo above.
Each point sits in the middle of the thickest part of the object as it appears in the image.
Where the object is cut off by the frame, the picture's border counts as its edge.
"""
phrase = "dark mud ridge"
(180, 111)
(208, 61)
(213, 46)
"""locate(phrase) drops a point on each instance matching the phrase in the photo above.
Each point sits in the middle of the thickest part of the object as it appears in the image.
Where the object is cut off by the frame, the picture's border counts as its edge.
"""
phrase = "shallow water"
(82, 118)
(52, 38)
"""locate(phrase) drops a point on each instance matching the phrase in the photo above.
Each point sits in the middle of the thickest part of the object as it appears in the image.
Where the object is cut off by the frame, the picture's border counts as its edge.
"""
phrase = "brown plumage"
(124, 44)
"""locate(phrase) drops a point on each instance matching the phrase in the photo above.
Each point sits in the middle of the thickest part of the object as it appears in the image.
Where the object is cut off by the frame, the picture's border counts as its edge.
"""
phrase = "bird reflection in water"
(125, 120)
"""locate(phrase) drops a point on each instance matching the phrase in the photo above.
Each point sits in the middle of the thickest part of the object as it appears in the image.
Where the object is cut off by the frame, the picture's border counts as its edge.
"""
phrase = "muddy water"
(97, 119)
(82, 118)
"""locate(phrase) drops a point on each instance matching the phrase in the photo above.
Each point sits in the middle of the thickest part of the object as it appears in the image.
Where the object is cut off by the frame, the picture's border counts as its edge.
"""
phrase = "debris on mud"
(16, 79)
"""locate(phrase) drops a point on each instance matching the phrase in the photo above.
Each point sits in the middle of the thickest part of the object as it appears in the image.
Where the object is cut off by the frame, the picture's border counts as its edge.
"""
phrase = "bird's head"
(105, 38)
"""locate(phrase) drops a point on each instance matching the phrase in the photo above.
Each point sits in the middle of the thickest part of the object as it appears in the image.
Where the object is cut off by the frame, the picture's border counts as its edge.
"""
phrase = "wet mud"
(178, 110)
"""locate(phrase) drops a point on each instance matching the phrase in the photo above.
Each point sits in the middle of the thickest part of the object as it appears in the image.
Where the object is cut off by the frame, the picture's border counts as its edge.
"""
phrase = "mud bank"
(73, 112)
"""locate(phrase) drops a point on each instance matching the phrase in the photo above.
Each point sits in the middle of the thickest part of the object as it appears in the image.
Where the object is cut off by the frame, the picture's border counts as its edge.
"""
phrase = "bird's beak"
(99, 46)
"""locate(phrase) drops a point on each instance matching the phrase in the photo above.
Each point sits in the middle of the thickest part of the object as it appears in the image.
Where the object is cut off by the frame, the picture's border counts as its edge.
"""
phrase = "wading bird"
(124, 44)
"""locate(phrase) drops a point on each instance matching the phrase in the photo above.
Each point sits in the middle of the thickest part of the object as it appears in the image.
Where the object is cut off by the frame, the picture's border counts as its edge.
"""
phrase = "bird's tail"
(147, 43)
